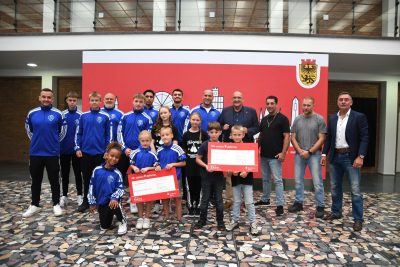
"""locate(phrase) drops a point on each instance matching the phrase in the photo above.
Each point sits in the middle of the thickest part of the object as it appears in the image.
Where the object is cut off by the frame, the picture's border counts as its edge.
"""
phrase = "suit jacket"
(250, 122)
(356, 135)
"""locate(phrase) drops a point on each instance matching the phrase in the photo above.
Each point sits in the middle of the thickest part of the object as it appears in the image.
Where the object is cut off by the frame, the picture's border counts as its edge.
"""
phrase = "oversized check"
(237, 157)
(153, 185)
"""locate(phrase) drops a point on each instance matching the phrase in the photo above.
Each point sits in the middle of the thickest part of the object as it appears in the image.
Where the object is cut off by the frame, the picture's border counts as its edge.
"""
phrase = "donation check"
(153, 185)
(237, 157)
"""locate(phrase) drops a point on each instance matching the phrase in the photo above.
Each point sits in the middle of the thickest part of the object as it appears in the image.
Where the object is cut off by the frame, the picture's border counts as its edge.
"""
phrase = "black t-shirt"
(157, 138)
(271, 138)
(236, 179)
(191, 142)
(203, 152)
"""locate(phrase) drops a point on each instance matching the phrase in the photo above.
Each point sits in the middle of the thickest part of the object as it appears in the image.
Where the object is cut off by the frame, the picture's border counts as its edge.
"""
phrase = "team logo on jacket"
(308, 73)
(212, 113)
(76, 122)
(50, 117)
(182, 114)
(152, 114)
(113, 116)
(139, 123)
(99, 119)
(110, 179)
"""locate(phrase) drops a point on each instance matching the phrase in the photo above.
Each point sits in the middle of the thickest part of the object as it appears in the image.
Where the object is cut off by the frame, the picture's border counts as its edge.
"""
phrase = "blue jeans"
(248, 201)
(340, 165)
(314, 165)
(272, 168)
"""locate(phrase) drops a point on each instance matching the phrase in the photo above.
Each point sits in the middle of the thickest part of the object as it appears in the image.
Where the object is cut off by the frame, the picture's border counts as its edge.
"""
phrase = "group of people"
(104, 144)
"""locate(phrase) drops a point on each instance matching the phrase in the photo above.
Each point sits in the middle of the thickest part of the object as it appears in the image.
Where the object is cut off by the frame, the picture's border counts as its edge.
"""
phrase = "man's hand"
(128, 152)
(281, 156)
(304, 154)
(226, 127)
(323, 160)
(78, 153)
(358, 162)
(243, 174)
(92, 209)
(113, 204)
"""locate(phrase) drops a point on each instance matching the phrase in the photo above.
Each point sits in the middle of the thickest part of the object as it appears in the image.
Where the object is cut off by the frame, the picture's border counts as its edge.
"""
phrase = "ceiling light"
(32, 65)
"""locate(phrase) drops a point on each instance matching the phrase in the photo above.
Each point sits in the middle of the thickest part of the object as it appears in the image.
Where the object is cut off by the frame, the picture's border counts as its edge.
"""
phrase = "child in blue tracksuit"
(170, 156)
(106, 190)
(143, 160)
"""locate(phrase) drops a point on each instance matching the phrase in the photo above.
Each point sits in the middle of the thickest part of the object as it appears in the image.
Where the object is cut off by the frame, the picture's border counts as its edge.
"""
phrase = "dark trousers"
(209, 184)
(193, 188)
(106, 215)
(122, 166)
(89, 162)
(65, 162)
(36, 168)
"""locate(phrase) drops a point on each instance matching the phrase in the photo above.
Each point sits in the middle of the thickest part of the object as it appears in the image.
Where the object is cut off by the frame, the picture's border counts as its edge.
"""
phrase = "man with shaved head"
(206, 110)
(237, 114)
(114, 113)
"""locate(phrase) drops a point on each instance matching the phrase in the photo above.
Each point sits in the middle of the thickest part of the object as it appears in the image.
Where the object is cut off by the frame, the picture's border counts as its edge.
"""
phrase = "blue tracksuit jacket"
(115, 116)
(72, 120)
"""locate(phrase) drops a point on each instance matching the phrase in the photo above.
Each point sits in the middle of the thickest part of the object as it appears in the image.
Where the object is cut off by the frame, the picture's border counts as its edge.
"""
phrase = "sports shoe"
(200, 224)
(63, 201)
(30, 211)
(57, 210)
(146, 223)
(262, 203)
(357, 226)
(320, 212)
(79, 200)
(84, 206)
(133, 208)
(139, 223)
(297, 206)
(279, 210)
(253, 228)
(221, 226)
(232, 225)
(122, 227)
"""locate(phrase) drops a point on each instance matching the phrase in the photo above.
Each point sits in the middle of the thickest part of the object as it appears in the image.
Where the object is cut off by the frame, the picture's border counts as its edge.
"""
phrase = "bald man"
(114, 113)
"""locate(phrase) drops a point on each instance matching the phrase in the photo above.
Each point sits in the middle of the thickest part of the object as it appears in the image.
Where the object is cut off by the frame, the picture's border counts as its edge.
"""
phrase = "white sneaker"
(253, 228)
(139, 223)
(232, 225)
(63, 201)
(122, 228)
(79, 200)
(30, 211)
(57, 210)
(146, 223)
(134, 208)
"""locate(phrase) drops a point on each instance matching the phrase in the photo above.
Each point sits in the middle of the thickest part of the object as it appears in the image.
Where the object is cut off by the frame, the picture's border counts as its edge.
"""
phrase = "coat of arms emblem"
(308, 73)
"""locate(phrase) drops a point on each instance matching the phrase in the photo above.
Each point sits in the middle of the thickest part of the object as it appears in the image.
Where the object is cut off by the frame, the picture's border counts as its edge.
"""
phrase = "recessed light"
(32, 65)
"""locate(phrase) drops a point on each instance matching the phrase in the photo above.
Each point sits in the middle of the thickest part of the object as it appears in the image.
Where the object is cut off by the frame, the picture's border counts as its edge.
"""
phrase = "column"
(388, 128)
(192, 15)
(276, 16)
(299, 16)
(159, 15)
(82, 15)
(48, 15)
(388, 16)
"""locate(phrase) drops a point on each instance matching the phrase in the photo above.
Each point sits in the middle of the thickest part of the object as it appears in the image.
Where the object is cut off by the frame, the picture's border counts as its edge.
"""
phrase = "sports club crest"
(51, 117)
(308, 73)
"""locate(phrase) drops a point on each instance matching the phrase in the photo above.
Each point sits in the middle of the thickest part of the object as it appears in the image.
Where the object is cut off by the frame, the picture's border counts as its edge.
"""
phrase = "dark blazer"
(250, 122)
(356, 135)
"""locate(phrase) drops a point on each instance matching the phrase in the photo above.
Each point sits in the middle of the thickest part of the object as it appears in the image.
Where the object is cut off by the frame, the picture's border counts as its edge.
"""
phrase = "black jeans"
(36, 168)
(65, 162)
(193, 188)
(89, 162)
(106, 215)
(122, 166)
(210, 183)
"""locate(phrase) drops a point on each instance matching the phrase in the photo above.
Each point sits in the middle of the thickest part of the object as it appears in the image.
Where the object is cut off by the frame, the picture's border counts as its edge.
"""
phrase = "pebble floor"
(75, 239)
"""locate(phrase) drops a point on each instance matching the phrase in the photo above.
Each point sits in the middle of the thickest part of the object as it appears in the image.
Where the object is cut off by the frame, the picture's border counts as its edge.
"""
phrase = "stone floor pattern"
(291, 240)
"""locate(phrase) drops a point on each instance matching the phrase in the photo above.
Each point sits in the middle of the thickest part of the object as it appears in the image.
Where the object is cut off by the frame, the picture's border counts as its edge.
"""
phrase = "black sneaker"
(279, 210)
(262, 203)
(200, 224)
(191, 212)
(196, 212)
(296, 207)
(221, 227)
(320, 212)
(84, 206)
